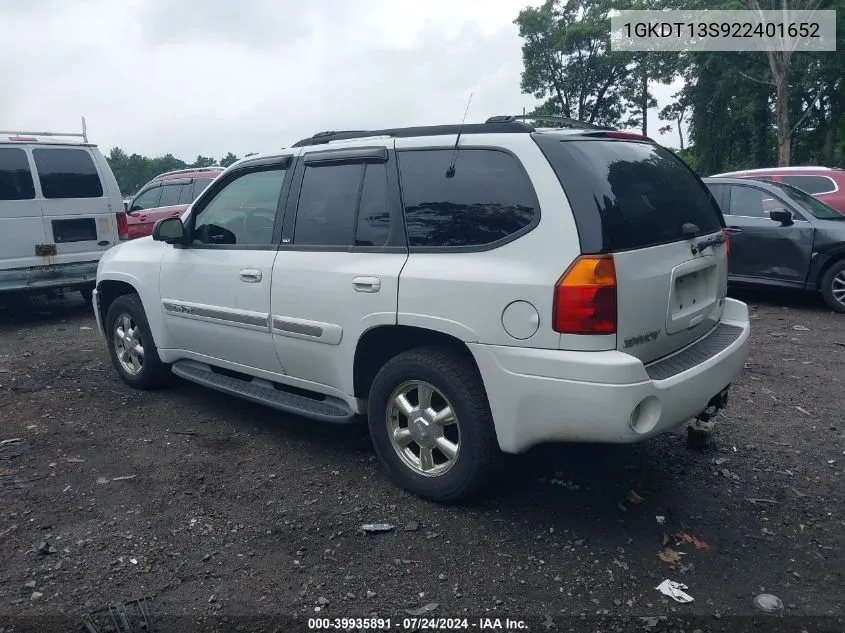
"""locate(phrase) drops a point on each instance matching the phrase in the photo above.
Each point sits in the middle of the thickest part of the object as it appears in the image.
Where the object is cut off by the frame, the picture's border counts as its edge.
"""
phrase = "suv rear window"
(628, 194)
(488, 200)
(15, 176)
(67, 173)
(810, 184)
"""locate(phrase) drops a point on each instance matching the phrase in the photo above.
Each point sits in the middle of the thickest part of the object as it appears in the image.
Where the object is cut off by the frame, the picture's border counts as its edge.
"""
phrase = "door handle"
(251, 275)
(733, 230)
(366, 284)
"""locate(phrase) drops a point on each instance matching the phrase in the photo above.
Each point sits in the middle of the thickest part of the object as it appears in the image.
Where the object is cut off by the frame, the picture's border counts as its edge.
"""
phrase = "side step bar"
(262, 391)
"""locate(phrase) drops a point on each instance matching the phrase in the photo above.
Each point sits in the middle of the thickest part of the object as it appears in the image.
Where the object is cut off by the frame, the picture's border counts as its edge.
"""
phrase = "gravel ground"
(227, 510)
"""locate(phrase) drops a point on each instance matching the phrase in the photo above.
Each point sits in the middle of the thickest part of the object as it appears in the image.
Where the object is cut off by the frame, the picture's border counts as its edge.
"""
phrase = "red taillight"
(122, 226)
(23, 139)
(727, 241)
(585, 297)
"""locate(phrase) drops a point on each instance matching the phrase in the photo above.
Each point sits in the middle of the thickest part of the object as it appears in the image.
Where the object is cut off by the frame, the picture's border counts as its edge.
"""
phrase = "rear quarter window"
(811, 184)
(67, 173)
(629, 194)
(488, 201)
(15, 175)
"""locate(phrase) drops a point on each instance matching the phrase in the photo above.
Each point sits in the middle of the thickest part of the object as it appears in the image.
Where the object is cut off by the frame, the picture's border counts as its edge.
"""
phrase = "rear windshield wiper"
(716, 240)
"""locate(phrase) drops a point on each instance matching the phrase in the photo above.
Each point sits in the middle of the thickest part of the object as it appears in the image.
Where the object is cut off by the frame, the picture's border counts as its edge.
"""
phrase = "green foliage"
(728, 100)
(134, 171)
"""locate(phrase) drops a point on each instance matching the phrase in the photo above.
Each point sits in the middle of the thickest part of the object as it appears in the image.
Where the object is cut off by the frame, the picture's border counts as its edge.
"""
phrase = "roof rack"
(189, 170)
(83, 135)
(565, 121)
(490, 127)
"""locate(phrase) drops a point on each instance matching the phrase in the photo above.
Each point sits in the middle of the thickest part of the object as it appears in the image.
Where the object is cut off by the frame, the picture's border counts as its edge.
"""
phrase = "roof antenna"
(450, 171)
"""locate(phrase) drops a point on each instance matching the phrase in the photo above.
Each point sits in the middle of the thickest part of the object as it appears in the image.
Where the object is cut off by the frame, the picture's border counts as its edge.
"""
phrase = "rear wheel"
(833, 287)
(431, 425)
(133, 352)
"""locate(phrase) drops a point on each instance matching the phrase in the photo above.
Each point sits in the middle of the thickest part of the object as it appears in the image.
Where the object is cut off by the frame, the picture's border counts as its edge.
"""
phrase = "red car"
(165, 196)
(825, 183)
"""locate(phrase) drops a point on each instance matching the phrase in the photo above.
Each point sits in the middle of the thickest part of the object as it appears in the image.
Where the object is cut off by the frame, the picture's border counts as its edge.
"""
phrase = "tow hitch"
(716, 404)
(701, 429)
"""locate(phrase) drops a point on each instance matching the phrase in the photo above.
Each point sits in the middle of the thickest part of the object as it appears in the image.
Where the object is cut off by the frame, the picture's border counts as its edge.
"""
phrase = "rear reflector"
(585, 297)
(122, 226)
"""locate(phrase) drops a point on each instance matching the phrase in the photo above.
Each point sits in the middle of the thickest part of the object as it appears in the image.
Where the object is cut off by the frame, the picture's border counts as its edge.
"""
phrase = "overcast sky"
(210, 76)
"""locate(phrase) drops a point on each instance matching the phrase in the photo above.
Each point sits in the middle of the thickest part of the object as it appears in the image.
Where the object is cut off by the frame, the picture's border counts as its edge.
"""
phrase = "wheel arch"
(379, 344)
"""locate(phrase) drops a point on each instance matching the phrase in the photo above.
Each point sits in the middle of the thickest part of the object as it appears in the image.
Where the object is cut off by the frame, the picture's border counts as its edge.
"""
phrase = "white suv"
(472, 290)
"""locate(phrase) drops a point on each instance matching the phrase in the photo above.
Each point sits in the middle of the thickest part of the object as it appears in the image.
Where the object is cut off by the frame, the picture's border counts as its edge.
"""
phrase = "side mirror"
(784, 216)
(170, 231)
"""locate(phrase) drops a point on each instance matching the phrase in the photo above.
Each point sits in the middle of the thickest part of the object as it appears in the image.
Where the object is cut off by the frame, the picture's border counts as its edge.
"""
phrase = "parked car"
(58, 206)
(825, 183)
(167, 195)
(782, 236)
(472, 290)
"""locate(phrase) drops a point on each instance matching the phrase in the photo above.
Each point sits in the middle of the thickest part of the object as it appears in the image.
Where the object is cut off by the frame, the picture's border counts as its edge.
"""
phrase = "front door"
(761, 248)
(337, 272)
(215, 293)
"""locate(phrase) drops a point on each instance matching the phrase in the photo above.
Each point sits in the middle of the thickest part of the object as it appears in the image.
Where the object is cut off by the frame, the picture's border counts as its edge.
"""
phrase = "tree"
(568, 62)
(228, 159)
(204, 161)
(675, 112)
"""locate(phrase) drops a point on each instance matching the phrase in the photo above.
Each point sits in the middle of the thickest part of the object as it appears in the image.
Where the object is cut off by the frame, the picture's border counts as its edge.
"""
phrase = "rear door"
(638, 201)
(762, 249)
(78, 217)
(337, 271)
(21, 225)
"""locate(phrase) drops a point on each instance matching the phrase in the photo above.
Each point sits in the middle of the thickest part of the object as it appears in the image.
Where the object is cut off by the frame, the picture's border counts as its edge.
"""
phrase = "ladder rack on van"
(29, 136)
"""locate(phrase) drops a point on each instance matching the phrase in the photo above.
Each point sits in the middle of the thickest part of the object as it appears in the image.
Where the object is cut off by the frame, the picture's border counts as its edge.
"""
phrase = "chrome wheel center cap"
(422, 430)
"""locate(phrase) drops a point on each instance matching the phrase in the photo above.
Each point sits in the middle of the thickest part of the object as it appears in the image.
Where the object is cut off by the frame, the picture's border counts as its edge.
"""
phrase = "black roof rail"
(565, 121)
(491, 127)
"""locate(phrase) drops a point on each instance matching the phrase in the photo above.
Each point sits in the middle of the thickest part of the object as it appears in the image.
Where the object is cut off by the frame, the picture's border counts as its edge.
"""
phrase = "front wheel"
(833, 287)
(131, 347)
(431, 425)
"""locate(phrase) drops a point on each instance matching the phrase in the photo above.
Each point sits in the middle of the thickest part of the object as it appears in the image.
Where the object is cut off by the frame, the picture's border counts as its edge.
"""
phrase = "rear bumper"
(539, 396)
(53, 276)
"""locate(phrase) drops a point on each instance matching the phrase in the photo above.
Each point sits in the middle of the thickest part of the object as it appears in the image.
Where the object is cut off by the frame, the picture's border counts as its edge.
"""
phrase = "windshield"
(807, 202)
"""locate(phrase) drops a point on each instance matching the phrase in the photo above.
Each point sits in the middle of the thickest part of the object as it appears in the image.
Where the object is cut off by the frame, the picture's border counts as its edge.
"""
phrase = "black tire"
(458, 381)
(87, 294)
(828, 280)
(152, 373)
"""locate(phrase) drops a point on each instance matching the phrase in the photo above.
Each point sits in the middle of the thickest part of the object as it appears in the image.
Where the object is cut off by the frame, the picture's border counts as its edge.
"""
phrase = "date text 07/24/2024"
(417, 624)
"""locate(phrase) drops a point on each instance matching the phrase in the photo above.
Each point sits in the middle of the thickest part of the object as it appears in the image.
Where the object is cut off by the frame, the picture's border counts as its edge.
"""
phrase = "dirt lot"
(227, 510)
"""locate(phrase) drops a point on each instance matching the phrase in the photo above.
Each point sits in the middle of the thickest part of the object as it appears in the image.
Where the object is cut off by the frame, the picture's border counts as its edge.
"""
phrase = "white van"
(60, 207)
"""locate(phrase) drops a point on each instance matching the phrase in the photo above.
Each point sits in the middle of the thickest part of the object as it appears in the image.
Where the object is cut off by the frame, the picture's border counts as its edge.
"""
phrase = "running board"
(262, 391)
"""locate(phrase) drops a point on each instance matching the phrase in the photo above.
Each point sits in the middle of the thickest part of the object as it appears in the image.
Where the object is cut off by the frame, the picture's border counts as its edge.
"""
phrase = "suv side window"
(810, 184)
(243, 211)
(15, 175)
(67, 173)
(325, 214)
(749, 202)
(147, 199)
(170, 195)
(373, 224)
(199, 186)
(489, 199)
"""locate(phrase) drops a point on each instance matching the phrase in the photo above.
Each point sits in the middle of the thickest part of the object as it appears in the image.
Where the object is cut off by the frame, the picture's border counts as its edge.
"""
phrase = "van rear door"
(78, 214)
(21, 226)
